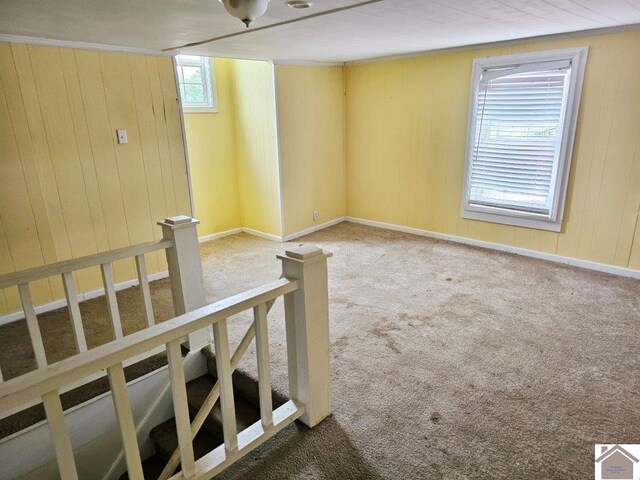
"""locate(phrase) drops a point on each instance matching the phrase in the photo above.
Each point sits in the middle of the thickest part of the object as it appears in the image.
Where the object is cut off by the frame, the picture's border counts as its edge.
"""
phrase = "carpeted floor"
(447, 361)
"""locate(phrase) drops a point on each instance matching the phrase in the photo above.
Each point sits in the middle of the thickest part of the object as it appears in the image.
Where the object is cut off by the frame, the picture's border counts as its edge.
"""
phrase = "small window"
(197, 87)
(522, 123)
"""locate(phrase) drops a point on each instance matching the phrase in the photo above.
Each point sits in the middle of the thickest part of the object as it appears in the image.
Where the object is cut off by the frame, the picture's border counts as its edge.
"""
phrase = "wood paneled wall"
(67, 189)
(406, 132)
(311, 128)
(256, 146)
(211, 140)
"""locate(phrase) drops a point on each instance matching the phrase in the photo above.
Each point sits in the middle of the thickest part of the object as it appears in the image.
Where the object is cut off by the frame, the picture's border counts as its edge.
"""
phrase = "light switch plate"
(122, 136)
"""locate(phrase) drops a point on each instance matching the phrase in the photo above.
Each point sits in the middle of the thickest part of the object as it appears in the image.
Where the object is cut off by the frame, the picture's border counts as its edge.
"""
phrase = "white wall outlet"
(315, 216)
(122, 136)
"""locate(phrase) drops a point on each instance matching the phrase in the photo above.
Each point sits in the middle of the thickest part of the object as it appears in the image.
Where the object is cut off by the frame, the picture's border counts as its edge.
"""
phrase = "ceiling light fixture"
(246, 10)
(299, 4)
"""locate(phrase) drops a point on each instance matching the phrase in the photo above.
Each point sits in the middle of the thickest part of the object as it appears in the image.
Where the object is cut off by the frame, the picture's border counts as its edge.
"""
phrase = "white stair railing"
(180, 243)
(306, 315)
(214, 394)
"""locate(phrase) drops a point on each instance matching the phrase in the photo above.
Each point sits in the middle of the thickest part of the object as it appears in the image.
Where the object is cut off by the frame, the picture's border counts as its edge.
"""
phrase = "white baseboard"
(307, 231)
(258, 233)
(270, 236)
(215, 236)
(47, 307)
(235, 231)
(552, 257)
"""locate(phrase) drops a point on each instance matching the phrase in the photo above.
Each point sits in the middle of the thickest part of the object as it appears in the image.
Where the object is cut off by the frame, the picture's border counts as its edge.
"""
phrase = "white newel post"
(307, 323)
(185, 272)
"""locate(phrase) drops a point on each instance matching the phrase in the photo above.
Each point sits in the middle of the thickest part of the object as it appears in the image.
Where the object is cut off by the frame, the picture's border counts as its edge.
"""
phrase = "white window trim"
(553, 222)
(210, 84)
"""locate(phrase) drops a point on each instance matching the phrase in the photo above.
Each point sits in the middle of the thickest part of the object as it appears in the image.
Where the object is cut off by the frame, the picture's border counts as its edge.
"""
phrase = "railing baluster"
(32, 324)
(264, 372)
(122, 406)
(223, 367)
(141, 268)
(74, 311)
(112, 301)
(60, 436)
(180, 407)
(292, 349)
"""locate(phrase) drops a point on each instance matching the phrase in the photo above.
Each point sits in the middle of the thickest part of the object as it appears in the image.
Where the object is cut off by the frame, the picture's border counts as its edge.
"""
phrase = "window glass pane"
(194, 94)
(192, 74)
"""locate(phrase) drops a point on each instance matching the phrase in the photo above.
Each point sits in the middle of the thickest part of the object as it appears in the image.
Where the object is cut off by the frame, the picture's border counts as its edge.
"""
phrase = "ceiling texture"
(331, 31)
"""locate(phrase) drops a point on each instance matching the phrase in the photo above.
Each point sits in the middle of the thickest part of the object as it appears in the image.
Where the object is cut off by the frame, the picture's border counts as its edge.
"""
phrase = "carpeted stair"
(245, 389)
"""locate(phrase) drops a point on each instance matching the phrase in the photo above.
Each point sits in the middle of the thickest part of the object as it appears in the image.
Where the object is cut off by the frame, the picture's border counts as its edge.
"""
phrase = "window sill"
(200, 109)
(527, 221)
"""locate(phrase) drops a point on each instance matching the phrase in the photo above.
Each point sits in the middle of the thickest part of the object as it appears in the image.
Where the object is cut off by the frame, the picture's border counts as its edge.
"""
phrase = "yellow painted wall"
(311, 126)
(256, 145)
(406, 131)
(212, 158)
(67, 189)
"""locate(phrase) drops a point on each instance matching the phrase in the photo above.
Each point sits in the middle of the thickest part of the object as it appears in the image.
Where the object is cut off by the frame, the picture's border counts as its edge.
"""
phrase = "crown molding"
(82, 45)
(501, 43)
(307, 63)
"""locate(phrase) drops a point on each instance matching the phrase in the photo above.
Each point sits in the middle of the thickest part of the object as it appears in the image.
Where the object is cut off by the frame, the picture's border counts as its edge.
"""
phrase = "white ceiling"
(375, 29)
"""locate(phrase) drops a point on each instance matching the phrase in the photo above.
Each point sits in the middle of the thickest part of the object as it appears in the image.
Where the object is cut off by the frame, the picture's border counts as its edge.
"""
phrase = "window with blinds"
(521, 131)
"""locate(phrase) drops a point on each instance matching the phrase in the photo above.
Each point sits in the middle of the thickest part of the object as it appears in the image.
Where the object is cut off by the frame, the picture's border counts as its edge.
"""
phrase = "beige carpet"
(447, 361)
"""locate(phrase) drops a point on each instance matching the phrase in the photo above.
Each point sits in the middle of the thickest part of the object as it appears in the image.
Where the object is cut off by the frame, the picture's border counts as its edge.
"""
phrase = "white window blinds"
(518, 131)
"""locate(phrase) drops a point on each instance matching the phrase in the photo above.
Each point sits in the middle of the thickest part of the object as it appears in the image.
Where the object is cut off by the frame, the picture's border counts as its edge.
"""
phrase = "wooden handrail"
(16, 391)
(73, 264)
